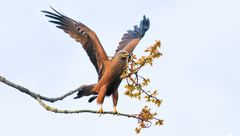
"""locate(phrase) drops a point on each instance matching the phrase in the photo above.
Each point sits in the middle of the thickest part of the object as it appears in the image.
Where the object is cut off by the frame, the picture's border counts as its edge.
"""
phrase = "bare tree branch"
(52, 109)
(39, 98)
(33, 94)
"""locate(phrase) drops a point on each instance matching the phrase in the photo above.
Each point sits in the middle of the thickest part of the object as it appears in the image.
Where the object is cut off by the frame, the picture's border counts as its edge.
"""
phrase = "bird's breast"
(112, 76)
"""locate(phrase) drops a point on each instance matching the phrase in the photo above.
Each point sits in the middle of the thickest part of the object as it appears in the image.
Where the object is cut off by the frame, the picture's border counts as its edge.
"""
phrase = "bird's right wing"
(84, 35)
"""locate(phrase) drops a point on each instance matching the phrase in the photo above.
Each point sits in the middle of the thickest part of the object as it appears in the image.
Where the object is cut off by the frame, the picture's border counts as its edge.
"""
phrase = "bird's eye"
(124, 57)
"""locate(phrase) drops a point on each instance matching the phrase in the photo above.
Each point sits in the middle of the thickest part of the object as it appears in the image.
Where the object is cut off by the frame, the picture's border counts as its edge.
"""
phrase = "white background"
(197, 77)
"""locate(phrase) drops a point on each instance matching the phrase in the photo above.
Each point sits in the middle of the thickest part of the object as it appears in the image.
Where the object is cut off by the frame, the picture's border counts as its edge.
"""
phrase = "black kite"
(109, 70)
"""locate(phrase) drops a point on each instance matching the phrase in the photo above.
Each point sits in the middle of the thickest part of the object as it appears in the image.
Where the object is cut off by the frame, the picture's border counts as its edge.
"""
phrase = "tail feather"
(85, 90)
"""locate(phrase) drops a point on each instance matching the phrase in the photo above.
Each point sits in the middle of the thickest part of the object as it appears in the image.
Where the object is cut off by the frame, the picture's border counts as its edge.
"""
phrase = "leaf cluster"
(136, 85)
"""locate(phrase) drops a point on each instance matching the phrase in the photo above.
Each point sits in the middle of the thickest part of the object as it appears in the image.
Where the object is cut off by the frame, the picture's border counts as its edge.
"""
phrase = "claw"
(115, 110)
(100, 110)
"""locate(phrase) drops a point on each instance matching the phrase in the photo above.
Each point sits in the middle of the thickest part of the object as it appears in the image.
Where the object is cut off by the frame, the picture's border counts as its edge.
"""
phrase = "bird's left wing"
(130, 39)
(84, 35)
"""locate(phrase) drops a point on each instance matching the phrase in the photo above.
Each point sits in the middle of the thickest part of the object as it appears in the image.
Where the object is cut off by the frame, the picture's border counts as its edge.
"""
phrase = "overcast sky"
(197, 77)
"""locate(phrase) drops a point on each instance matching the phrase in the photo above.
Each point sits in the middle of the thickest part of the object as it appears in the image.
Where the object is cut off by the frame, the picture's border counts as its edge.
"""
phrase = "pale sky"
(197, 77)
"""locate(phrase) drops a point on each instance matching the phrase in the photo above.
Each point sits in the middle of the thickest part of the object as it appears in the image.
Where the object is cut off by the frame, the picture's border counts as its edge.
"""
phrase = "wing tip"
(56, 12)
(144, 25)
(137, 33)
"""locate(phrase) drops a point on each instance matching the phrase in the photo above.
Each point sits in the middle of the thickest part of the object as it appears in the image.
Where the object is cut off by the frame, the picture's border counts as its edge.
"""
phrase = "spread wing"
(84, 35)
(130, 39)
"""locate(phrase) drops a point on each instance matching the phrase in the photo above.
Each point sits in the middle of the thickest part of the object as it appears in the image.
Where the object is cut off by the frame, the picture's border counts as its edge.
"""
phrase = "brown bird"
(109, 70)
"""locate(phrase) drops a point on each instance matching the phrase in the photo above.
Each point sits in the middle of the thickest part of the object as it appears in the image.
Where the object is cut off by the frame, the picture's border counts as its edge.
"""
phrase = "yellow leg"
(100, 109)
(115, 109)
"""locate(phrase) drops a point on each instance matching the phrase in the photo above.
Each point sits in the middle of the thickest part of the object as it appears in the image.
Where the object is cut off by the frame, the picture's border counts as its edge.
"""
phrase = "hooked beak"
(129, 55)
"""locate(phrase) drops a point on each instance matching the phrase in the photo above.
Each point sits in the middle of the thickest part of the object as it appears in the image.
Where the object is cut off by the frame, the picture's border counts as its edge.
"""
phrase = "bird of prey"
(109, 70)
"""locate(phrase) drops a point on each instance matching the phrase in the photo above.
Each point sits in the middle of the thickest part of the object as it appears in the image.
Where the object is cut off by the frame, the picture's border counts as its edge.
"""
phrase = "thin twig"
(135, 82)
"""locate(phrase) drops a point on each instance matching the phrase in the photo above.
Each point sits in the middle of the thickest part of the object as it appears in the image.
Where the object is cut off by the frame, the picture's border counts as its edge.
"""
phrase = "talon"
(100, 109)
(115, 110)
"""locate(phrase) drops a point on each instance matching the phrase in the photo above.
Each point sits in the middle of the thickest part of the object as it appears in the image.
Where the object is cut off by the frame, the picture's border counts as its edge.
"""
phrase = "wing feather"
(130, 39)
(84, 35)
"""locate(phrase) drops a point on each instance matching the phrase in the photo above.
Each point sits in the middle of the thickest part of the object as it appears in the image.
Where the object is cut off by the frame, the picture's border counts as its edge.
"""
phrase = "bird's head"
(123, 54)
(144, 25)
